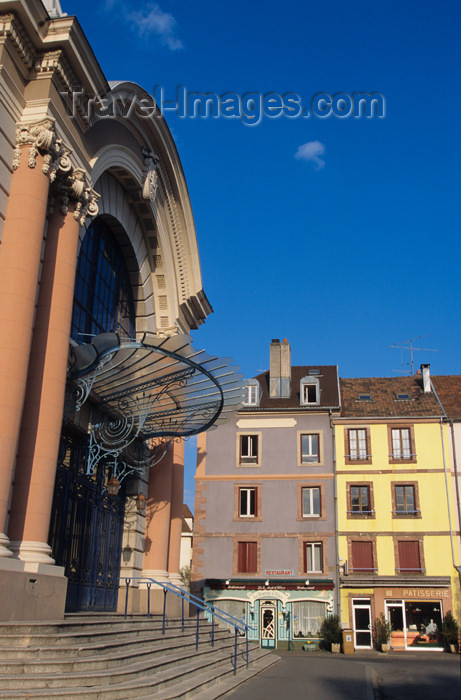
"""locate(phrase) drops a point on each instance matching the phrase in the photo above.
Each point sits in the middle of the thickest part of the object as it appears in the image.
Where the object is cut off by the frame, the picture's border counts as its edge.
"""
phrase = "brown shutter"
(241, 556)
(409, 558)
(362, 556)
(252, 557)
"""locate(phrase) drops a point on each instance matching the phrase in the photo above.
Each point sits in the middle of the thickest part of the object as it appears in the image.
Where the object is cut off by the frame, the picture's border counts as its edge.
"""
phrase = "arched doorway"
(86, 523)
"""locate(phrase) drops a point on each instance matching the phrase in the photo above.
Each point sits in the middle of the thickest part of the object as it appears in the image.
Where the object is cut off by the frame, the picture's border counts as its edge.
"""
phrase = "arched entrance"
(86, 523)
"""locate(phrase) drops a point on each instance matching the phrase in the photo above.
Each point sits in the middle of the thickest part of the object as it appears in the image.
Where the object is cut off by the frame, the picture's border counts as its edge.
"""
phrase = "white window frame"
(248, 490)
(251, 395)
(358, 443)
(242, 458)
(314, 547)
(305, 384)
(311, 490)
(400, 450)
(312, 457)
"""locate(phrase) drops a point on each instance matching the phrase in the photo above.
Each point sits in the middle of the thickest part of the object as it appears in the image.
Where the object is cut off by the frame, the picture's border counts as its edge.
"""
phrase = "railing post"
(197, 629)
(182, 613)
(164, 609)
(148, 598)
(235, 651)
(126, 595)
(212, 626)
(246, 640)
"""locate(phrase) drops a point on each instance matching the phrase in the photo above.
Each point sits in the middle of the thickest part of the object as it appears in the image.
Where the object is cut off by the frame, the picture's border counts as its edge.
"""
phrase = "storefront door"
(268, 624)
(362, 624)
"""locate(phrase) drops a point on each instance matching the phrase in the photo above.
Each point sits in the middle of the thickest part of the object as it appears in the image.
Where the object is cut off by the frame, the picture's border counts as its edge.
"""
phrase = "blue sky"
(352, 249)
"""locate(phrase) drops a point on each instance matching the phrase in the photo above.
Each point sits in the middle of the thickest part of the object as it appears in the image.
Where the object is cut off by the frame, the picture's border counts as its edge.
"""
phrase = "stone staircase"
(108, 656)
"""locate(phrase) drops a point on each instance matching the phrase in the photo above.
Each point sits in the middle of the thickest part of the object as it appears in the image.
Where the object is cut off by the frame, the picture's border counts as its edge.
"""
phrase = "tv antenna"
(408, 345)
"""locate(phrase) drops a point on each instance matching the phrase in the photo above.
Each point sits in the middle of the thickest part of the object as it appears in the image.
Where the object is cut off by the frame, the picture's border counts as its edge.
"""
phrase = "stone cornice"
(55, 64)
(12, 29)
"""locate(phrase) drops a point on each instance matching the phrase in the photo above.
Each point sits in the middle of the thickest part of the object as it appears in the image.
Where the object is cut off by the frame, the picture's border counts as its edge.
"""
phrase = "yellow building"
(394, 532)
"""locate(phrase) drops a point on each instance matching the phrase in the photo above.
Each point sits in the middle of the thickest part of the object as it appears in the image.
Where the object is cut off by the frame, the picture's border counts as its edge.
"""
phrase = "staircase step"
(155, 683)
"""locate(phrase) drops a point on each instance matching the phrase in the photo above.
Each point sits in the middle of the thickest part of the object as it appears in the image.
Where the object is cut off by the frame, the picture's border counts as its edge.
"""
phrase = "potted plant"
(450, 631)
(331, 632)
(383, 631)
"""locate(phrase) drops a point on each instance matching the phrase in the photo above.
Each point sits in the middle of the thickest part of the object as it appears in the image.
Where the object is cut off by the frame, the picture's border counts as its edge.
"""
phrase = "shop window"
(310, 448)
(362, 556)
(405, 500)
(311, 501)
(409, 557)
(247, 557)
(248, 449)
(313, 557)
(248, 502)
(307, 618)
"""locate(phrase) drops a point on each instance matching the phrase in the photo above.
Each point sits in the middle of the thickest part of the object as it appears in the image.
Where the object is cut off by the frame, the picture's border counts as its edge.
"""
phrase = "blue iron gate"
(86, 530)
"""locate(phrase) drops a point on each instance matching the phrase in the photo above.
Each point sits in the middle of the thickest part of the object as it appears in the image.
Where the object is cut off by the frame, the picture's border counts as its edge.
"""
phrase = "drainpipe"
(457, 567)
(335, 491)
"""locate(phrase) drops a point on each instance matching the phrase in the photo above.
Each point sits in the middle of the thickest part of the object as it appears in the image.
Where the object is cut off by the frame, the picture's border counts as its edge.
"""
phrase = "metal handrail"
(199, 604)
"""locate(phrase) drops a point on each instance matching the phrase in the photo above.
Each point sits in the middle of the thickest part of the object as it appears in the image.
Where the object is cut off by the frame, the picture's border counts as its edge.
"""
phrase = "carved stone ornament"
(41, 137)
(74, 187)
(151, 180)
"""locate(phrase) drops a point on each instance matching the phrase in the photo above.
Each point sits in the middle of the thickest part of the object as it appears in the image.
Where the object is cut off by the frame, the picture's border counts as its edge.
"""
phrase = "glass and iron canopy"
(147, 392)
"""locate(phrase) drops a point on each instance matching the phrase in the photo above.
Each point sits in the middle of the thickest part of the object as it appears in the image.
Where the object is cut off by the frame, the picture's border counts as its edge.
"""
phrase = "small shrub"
(185, 576)
(450, 628)
(330, 630)
(382, 630)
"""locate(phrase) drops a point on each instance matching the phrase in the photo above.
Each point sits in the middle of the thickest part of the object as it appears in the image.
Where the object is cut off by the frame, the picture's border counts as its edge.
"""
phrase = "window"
(358, 448)
(251, 395)
(248, 449)
(307, 618)
(309, 391)
(401, 444)
(248, 502)
(313, 558)
(409, 559)
(247, 557)
(405, 500)
(103, 299)
(360, 499)
(310, 448)
(360, 502)
(311, 502)
(362, 556)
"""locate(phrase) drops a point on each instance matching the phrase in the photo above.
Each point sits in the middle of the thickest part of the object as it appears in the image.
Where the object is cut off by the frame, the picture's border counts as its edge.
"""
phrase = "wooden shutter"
(409, 558)
(247, 557)
(362, 556)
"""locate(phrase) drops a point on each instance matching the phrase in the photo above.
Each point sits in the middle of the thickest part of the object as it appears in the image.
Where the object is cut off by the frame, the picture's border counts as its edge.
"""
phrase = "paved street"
(363, 676)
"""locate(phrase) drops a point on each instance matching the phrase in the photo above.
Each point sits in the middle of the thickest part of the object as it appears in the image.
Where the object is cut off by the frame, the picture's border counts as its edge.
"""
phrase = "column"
(20, 253)
(43, 411)
(158, 518)
(177, 496)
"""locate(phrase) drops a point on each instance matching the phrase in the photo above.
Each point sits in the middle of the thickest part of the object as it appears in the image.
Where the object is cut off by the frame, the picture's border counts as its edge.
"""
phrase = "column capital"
(74, 187)
(41, 137)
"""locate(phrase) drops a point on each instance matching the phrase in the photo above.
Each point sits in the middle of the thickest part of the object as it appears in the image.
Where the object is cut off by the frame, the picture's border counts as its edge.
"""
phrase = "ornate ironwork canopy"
(149, 391)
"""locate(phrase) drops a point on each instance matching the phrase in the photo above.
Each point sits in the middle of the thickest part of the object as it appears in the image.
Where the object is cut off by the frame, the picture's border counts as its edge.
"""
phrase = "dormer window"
(309, 391)
(251, 394)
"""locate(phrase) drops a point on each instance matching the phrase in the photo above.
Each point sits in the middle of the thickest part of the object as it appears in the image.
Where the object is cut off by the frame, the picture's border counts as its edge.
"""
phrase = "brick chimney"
(280, 369)
(426, 378)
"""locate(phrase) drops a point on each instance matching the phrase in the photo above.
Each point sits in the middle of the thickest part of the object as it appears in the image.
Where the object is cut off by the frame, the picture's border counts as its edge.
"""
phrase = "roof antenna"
(408, 345)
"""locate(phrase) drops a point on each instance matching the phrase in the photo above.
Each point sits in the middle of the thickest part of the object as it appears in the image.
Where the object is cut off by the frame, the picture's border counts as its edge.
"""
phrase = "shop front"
(416, 616)
(414, 612)
(281, 614)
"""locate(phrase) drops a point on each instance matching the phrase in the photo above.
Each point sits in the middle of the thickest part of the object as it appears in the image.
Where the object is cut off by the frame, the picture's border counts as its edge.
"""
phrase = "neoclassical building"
(97, 241)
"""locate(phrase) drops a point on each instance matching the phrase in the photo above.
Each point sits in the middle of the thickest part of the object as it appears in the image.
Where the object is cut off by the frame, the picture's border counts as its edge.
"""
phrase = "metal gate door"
(86, 531)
